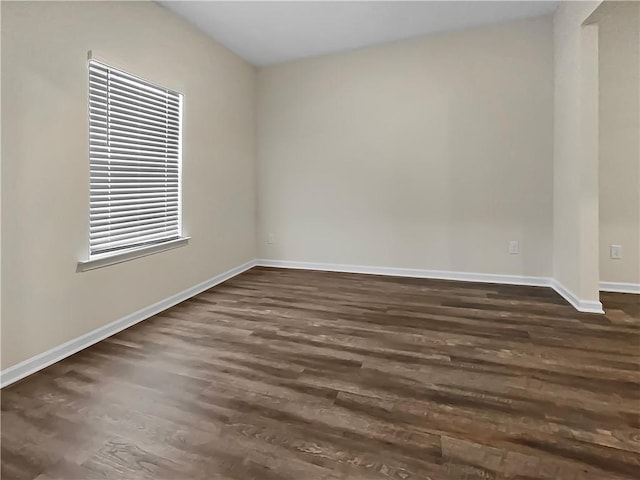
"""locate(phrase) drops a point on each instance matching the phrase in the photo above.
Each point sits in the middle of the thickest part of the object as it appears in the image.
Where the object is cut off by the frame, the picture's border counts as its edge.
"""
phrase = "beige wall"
(431, 153)
(45, 165)
(575, 192)
(619, 53)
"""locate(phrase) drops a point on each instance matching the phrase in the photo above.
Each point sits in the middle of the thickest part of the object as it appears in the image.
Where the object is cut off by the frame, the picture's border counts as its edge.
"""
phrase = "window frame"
(125, 253)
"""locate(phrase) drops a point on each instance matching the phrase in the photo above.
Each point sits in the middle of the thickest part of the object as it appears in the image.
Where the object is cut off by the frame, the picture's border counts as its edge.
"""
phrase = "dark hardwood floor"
(284, 374)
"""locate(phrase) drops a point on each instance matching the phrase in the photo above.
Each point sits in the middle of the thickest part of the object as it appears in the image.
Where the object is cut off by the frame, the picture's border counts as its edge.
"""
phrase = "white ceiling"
(265, 33)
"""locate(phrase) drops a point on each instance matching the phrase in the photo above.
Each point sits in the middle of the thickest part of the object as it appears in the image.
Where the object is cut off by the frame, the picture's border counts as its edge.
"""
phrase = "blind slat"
(107, 219)
(132, 126)
(101, 200)
(133, 139)
(131, 177)
(104, 238)
(124, 169)
(128, 162)
(100, 131)
(104, 153)
(121, 231)
(98, 209)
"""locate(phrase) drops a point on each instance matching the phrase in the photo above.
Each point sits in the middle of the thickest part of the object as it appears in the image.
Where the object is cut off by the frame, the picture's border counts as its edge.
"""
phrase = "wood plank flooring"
(285, 374)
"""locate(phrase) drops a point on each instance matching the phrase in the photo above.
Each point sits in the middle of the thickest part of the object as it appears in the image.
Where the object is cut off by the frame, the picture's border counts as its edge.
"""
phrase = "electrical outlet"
(271, 238)
(514, 247)
(616, 252)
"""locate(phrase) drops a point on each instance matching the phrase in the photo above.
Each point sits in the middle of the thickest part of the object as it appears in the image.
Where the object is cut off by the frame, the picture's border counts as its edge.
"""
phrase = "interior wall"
(45, 184)
(575, 169)
(619, 159)
(430, 153)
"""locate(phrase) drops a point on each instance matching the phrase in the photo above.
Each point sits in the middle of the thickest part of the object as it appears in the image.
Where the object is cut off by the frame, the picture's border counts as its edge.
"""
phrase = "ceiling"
(265, 33)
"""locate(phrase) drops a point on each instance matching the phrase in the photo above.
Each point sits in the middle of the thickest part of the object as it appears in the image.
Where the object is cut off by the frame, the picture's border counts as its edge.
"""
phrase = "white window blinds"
(135, 131)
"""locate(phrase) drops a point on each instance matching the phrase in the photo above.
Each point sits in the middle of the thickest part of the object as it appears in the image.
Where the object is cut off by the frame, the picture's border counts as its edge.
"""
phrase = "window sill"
(106, 259)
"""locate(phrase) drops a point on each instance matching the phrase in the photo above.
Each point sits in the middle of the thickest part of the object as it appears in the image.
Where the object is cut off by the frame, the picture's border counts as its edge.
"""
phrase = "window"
(135, 132)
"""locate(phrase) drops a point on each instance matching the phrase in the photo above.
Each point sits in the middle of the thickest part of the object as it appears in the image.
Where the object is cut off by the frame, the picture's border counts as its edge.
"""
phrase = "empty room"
(314, 240)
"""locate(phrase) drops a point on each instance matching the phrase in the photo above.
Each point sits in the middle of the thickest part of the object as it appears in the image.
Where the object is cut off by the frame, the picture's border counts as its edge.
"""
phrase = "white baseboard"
(619, 287)
(587, 306)
(42, 360)
(411, 272)
(580, 305)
